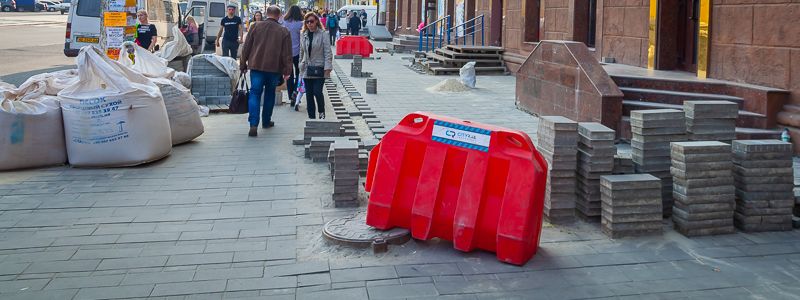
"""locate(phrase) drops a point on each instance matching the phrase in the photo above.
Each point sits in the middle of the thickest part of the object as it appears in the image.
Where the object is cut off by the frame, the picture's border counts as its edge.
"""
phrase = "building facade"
(747, 41)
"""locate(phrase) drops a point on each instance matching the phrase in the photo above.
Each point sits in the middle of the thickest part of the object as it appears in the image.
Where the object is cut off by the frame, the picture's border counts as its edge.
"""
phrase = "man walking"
(267, 52)
(354, 24)
(233, 31)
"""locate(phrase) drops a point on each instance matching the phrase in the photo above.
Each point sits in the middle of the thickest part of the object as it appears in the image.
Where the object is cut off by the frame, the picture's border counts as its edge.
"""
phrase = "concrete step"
(475, 49)
(478, 70)
(674, 97)
(400, 47)
(452, 54)
(480, 62)
(746, 118)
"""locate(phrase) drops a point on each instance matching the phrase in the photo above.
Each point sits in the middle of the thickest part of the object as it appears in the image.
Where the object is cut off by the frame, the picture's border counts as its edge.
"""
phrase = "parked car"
(30, 5)
(63, 7)
(8, 5)
(51, 5)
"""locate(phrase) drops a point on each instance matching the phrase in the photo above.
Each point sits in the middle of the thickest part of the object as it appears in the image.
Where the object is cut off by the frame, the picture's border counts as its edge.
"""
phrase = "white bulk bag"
(183, 79)
(113, 116)
(182, 110)
(177, 47)
(31, 130)
(53, 82)
(146, 63)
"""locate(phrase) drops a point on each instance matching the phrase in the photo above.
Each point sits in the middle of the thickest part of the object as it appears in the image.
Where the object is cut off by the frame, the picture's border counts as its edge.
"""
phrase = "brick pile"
(631, 205)
(344, 164)
(764, 185)
(711, 120)
(596, 152)
(653, 131)
(702, 188)
(209, 84)
(558, 142)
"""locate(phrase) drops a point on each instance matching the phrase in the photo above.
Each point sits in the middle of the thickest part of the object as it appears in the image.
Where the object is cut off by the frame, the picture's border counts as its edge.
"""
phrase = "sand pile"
(451, 85)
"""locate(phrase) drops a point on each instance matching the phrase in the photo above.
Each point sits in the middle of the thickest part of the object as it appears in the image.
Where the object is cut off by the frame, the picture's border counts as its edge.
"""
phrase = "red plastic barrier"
(480, 186)
(353, 45)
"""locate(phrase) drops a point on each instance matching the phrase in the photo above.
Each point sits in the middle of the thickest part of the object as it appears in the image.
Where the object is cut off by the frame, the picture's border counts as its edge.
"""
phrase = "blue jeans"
(262, 83)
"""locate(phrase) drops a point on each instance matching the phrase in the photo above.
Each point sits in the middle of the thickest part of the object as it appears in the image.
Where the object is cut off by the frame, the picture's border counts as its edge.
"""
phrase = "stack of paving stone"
(321, 128)
(623, 164)
(558, 142)
(356, 65)
(702, 188)
(319, 146)
(631, 205)
(711, 120)
(372, 85)
(344, 163)
(653, 131)
(595, 158)
(764, 183)
(210, 85)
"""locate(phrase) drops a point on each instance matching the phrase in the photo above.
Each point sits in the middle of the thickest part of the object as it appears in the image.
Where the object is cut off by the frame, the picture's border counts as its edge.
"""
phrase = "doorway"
(678, 33)
(496, 23)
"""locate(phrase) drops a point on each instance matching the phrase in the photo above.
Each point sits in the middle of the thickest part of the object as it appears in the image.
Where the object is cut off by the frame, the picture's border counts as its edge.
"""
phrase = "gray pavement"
(33, 44)
(229, 216)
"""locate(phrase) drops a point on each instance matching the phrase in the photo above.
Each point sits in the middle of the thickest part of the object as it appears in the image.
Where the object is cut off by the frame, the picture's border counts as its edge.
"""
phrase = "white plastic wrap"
(467, 74)
(177, 47)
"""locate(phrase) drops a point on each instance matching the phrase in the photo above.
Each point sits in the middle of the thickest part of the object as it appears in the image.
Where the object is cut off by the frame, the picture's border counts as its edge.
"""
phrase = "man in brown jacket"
(267, 52)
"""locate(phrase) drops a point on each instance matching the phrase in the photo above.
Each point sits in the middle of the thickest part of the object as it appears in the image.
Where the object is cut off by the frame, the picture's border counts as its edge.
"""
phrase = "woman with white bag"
(316, 62)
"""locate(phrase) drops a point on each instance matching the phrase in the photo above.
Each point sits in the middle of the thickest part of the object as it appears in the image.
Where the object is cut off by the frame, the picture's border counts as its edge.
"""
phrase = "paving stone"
(199, 259)
(211, 274)
(402, 291)
(360, 274)
(262, 283)
(63, 266)
(298, 269)
(185, 288)
(126, 291)
(84, 282)
(157, 277)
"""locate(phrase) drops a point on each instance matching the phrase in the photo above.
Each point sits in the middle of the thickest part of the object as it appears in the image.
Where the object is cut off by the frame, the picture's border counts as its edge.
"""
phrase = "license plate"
(86, 39)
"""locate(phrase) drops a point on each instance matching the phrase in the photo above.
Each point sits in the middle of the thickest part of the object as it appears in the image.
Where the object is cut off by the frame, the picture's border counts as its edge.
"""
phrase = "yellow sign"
(113, 53)
(115, 19)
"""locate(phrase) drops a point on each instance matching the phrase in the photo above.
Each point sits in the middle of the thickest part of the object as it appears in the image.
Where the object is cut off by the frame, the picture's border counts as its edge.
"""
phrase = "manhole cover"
(353, 231)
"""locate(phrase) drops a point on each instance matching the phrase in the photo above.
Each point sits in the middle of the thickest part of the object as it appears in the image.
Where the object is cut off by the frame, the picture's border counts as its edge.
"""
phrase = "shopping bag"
(239, 99)
(301, 89)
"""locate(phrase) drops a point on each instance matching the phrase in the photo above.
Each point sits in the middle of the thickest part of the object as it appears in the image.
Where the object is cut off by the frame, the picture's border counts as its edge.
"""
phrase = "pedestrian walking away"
(354, 24)
(363, 16)
(231, 33)
(146, 33)
(316, 62)
(293, 21)
(267, 53)
(333, 27)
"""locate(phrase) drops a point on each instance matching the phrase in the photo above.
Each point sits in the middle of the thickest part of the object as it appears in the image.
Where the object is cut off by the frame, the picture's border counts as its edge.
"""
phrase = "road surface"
(32, 43)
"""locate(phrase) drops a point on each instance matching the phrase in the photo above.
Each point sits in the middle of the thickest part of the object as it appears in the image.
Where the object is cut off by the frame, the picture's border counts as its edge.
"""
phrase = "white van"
(83, 23)
(344, 11)
(216, 9)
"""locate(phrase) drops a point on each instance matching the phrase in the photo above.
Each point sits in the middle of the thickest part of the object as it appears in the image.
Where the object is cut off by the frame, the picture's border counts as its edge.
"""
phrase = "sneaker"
(297, 108)
(321, 115)
(253, 131)
(271, 124)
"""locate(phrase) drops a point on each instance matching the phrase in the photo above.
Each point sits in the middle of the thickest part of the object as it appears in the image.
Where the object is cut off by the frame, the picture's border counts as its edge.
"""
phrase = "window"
(198, 10)
(531, 15)
(592, 23)
(217, 10)
(168, 12)
(154, 10)
(89, 8)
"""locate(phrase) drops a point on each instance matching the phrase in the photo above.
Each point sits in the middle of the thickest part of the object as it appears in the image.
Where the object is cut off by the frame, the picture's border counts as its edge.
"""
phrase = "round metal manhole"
(354, 231)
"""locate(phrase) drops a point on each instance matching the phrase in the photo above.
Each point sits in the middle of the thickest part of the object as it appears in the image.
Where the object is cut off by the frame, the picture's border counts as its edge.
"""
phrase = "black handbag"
(313, 71)
(240, 98)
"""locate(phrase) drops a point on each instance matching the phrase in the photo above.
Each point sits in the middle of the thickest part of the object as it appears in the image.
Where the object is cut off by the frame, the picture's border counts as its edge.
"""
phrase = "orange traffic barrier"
(480, 186)
(353, 45)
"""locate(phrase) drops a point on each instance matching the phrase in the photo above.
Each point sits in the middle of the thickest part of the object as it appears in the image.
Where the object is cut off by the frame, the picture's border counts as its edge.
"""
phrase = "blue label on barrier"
(461, 135)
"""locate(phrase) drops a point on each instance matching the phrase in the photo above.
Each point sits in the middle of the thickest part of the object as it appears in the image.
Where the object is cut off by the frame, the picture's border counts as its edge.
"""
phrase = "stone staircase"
(449, 59)
(757, 115)
(404, 43)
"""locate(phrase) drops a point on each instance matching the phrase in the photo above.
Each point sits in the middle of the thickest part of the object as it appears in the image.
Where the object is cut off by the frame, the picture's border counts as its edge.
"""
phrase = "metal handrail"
(470, 29)
(440, 27)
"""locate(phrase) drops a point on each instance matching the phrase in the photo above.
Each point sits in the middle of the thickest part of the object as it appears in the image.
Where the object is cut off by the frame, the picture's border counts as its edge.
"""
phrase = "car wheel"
(6, 8)
(51, 9)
